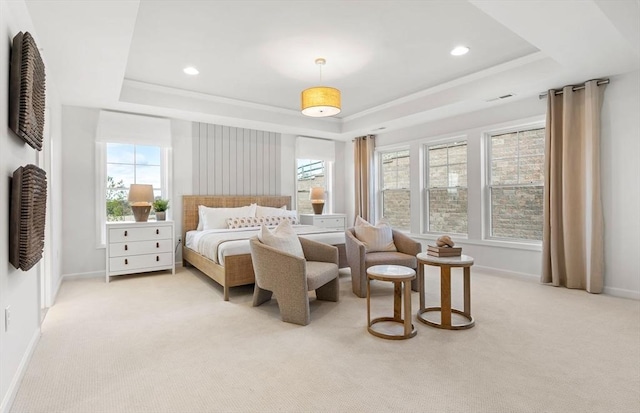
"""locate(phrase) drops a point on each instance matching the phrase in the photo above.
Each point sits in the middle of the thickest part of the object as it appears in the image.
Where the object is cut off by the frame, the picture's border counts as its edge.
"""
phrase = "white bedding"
(216, 244)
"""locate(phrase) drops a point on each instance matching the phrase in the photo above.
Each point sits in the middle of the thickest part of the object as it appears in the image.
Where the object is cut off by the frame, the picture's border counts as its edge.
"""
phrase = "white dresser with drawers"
(134, 247)
(329, 221)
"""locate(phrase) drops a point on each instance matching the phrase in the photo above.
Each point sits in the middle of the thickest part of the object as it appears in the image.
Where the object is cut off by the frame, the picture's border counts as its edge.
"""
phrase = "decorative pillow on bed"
(216, 218)
(282, 238)
(250, 222)
(262, 211)
(375, 238)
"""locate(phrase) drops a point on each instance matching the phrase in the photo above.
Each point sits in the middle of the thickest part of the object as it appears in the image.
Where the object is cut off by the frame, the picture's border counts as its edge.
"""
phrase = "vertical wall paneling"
(203, 158)
(247, 172)
(225, 161)
(233, 171)
(195, 158)
(254, 161)
(278, 161)
(210, 154)
(240, 159)
(235, 161)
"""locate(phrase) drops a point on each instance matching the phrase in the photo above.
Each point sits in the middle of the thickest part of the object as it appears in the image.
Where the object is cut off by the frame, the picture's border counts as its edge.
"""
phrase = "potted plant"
(160, 206)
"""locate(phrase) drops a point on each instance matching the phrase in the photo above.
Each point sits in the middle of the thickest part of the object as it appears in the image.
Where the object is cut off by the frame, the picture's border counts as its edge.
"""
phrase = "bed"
(236, 269)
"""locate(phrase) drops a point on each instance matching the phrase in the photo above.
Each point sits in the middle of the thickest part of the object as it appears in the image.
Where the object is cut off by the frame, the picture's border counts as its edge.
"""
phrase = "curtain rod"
(559, 92)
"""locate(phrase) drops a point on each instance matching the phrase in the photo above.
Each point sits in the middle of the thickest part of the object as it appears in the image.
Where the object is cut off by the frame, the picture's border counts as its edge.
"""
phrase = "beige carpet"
(164, 343)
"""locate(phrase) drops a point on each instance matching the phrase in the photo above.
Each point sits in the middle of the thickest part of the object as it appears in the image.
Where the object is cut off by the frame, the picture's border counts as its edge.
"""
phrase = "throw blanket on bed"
(209, 242)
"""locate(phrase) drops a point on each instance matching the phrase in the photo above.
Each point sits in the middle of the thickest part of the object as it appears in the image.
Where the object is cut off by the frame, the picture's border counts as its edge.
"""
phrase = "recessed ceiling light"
(460, 50)
(190, 70)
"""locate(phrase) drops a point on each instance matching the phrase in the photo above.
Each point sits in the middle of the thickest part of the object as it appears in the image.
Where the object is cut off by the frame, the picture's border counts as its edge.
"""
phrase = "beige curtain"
(363, 150)
(572, 246)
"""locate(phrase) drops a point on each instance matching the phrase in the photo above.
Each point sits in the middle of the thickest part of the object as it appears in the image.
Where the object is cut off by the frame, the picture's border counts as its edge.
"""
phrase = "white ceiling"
(390, 59)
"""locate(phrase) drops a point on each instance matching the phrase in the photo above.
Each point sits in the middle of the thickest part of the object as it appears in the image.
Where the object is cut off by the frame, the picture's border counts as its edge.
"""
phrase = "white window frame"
(425, 190)
(101, 184)
(328, 172)
(379, 191)
(486, 192)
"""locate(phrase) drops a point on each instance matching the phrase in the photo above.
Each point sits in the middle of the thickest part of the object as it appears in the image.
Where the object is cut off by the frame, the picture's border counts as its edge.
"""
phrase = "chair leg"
(414, 285)
(359, 284)
(330, 291)
(294, 310)
(260, 296)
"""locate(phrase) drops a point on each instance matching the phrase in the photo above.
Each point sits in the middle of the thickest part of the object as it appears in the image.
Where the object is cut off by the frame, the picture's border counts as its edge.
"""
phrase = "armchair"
(290, 277)
(359, 260)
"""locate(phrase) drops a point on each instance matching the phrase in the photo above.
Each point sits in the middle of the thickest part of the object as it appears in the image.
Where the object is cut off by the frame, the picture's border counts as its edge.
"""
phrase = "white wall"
(80, 252)
(19, 290)
(181, 140)
(620, 180)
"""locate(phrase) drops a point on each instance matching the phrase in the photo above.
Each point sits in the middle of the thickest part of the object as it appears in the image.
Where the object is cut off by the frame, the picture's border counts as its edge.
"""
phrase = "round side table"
(445, 264)
(394, 328)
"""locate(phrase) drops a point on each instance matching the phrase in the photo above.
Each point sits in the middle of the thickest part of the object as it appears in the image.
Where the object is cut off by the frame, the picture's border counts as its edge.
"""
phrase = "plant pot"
(161, 215)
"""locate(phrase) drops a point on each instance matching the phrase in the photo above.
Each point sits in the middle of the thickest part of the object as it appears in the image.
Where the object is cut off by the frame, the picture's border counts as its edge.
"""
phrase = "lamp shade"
(316, 194)
(140, 194)
(320, 101)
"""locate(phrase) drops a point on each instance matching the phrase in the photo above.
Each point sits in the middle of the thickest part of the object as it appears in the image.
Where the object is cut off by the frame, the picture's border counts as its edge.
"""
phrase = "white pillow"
(283, 238)
(375, 238)
(216, 218)
(262, 211)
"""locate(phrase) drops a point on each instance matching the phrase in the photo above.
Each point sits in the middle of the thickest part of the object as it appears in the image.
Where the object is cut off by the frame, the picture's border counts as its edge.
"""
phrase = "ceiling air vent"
(501, 97)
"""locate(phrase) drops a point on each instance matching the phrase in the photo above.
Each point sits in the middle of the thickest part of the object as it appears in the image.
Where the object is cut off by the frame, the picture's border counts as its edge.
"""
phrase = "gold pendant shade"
(320, 101)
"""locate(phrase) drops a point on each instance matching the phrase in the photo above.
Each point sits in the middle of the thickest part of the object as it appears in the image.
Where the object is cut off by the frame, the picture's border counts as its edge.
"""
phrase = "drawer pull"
(157, 232)
(157, 258)
(126, 247)
(157, 245)
(126, 261)
(125, 233)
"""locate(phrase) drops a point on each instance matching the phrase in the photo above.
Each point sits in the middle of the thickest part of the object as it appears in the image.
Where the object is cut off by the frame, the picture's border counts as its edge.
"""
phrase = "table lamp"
(316, 195)
(140, 198)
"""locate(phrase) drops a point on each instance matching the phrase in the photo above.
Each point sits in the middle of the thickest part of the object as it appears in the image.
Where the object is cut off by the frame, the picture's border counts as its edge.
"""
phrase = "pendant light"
(320, 101)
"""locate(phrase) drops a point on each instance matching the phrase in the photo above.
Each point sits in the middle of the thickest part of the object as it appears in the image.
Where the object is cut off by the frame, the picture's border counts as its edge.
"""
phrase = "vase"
(161, 215)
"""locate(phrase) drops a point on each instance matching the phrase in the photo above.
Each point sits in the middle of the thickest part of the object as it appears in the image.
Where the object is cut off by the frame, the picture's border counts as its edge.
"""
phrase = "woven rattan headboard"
(190, 205)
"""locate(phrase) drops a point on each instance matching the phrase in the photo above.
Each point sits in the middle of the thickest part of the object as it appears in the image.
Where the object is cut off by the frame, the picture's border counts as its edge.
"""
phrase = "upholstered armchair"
(359, 260)
(289, 277)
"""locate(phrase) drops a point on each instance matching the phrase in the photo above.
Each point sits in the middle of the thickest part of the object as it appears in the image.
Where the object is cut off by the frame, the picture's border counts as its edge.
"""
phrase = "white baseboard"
(615, 292)
(506, 273)
(91, 274)
(7, 402)
(622, 293)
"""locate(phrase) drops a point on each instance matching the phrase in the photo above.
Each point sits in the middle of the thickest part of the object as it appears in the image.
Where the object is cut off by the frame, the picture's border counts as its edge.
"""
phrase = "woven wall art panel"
(28, 213)
(26, 90)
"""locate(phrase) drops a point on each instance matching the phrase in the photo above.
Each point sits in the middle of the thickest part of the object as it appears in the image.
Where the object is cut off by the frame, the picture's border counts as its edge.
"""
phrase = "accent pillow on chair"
(375, 238)
(283, 238)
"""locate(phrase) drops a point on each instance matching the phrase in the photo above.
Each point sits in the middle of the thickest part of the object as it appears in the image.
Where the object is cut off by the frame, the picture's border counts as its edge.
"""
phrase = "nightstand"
(328, 221)
(134, 247)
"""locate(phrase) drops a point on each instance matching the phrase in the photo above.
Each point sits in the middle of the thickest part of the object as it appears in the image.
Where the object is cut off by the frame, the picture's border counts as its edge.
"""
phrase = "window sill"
(462, 239)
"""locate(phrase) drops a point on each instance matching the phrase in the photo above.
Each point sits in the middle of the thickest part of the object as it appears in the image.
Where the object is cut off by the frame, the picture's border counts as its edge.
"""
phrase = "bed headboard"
(190, 205)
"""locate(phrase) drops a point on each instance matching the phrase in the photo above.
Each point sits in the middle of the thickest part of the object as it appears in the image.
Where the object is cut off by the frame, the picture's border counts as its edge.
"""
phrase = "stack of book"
(435, 251)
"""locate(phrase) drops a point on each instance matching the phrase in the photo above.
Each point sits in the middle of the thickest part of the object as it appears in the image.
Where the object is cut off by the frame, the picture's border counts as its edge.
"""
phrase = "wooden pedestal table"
(445, 264)
(394, 328)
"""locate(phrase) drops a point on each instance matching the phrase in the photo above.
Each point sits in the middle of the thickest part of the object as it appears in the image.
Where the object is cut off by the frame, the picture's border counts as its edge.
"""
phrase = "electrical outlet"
(7, 318)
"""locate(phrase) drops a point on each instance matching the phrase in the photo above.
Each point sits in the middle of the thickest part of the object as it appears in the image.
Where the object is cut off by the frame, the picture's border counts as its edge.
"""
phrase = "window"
(394, 188)
(447, 188)
(310, 173)
(516, 184)
(130, 164)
